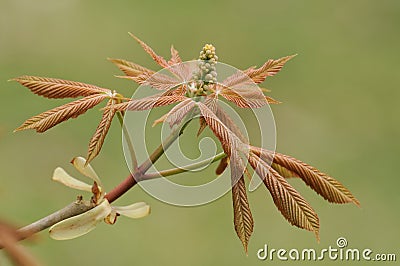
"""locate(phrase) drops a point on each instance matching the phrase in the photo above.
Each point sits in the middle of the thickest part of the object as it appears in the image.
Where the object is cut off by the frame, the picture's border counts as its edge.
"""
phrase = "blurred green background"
(339, 113)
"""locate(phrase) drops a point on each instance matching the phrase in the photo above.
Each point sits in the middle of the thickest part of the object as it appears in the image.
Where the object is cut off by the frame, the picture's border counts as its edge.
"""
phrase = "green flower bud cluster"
(207, 63)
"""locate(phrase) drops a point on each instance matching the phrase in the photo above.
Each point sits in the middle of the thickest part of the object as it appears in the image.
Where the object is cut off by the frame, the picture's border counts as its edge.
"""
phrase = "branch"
(78, 207)
(194, 166)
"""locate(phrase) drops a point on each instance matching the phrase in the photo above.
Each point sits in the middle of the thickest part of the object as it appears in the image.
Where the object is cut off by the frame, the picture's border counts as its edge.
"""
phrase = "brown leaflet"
(175, 58)
(244, 98)
(270, 68)
(158, 81)
(97, 141)
(227, 138)
(272, 100)
(158, 59)
(49, 119)
(179, 112)
(329, 188)
(222, 165)
(240, 77)
(229, 123)
(257, 75)
(202, 125)
(180, 90)
(211, 102)
(58, 88)
(148, 103)
(288, 201)
(129, 68)
(243, 219)
(286, 173)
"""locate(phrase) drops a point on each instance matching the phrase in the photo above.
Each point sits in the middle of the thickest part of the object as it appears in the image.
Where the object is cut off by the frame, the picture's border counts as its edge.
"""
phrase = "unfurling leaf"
(272, 100)
(244, 98)
(58, 88)
(158, 59)
(49, 119)
(148, 103)
(288, 201)
(243, 219)
(178, 112)
(270, 68)
(256, 75)
(286, 173)
(329, 188)
(228, 139)
(129, 68)
(203, 125)
(97, 140)
(175, 58)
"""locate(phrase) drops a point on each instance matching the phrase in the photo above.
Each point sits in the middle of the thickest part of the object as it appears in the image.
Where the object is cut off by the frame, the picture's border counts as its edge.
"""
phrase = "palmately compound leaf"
(288, 201)
(49, 119)
(96, 143)
(243, 219)
(58, 88)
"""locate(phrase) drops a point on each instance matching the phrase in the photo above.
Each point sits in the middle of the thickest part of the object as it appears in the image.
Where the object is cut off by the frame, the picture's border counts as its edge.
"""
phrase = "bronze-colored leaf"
(270, 68)
(243, 219)
(158, 59)
(257, 75)
(244, 98)
(239, 78)
(96, 142)
(175, 58)
(286, 173)
(129, 68)
(148, 103)
(161, 81)
(49, 119)
(178, 112)
(229, 123)
(222, 165)
(272, 100)
(329, 188)
(288, 201)
(58, 88)
(227, 138)
(203, 125)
